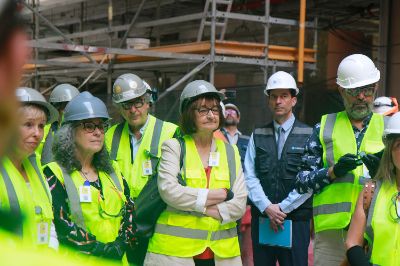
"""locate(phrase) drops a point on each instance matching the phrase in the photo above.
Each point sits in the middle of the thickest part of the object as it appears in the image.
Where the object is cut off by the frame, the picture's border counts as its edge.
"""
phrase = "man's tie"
(281, 141)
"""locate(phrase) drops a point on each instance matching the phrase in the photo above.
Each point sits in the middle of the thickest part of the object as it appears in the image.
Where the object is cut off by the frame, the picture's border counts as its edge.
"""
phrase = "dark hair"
(187, 120)
(10, 20)
(292, 92)
(64, 152)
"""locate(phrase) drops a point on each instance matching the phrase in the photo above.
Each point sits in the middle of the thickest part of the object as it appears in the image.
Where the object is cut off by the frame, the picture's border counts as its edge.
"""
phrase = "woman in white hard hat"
(93, 211)
(199, 225)
(23, 189)
(377, 214)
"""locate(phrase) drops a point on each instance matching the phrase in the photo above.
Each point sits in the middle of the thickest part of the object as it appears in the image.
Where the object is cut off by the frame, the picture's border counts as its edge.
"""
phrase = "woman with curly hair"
(92, 209)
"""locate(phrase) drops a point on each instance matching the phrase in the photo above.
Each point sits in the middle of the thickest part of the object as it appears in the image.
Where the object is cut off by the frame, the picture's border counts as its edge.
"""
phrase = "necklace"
(85, 175)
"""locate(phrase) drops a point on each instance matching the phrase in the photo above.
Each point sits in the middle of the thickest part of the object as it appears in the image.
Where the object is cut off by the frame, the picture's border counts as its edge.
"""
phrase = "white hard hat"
(355, 71)
(127, 87)
(393, 125)
(281, 80)
(385, 105)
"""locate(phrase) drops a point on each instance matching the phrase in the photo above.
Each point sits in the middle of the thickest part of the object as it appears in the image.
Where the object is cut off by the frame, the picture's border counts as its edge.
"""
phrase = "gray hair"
(64, 152)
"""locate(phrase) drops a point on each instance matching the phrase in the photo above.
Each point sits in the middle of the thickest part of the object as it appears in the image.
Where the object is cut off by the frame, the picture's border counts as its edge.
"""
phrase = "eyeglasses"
(366, 90)
(230, 112)
(138, 103)
(90, 127)
(395, 214)
(203, 111)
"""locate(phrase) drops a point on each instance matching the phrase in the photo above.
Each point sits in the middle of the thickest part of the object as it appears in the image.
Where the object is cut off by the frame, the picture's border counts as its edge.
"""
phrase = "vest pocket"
(294, 160)
(222, 180)
(194, 178)
(262, 161)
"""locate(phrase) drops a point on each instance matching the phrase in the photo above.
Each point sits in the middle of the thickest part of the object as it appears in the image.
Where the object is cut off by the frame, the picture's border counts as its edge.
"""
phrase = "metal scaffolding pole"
(54, 28)
(212, 40)
(184, 78)
(37, 28)
(266, 38)
(300, 63)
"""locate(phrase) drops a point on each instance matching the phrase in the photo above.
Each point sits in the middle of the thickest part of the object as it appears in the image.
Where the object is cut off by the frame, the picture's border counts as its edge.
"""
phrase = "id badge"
(42, 233)
(366, 172)
(147, 169)
(84, 194)
(213, 160)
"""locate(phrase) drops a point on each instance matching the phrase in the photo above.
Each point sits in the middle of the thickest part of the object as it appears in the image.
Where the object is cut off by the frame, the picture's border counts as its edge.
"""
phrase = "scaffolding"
(206, 53)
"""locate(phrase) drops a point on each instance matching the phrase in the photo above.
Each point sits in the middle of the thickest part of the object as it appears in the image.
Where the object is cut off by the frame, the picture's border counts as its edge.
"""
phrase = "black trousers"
(264, 255)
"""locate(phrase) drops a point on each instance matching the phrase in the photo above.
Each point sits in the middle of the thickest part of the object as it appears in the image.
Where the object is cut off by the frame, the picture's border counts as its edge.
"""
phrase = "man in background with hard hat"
(386, 106)
(61, 95)
(135, 144)
(231, 131)
(334, 157)
(272, 161)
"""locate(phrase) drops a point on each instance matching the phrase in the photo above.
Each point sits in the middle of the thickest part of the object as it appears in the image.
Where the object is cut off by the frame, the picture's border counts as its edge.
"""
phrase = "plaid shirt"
(314, 176)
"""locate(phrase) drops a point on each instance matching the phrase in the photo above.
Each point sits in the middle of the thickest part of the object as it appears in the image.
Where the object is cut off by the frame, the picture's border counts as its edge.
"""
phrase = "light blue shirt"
(256, 192)
(135, 143)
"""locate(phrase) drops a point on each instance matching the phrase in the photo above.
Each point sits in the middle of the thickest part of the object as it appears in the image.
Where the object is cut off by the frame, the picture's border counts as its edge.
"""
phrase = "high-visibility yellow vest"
(382, 231)
(92, 216)
(33, 202)
(334, 206)
(44, 149)
(186, 234)
(118, 144)
(16, 252)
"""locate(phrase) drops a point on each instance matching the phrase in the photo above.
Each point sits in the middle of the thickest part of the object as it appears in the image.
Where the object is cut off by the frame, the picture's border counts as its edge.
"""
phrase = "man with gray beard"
(337, 157)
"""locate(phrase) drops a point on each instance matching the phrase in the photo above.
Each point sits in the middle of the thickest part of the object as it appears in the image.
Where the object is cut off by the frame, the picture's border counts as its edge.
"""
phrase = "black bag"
(149, 204)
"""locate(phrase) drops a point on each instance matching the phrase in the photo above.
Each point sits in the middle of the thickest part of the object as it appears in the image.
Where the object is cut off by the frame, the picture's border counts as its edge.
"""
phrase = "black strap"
(116, 140)
(182, 162)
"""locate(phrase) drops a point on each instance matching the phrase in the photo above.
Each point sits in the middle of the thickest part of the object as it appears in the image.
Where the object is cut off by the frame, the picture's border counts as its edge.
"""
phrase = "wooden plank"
(229, 48)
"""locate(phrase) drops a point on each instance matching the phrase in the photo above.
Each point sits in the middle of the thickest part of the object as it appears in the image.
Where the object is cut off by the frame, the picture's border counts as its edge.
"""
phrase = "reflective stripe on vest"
(118, 142)
(382, 230)
(333, 207)
(47, 154)
(74, 199)
(193, 232)
(12, 196)
(32, 160)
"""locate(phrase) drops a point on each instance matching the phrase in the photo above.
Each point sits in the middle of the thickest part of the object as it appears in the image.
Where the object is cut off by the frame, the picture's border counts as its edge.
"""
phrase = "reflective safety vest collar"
(333, 210)
(186, 234)
(382, 232)
(118, 143)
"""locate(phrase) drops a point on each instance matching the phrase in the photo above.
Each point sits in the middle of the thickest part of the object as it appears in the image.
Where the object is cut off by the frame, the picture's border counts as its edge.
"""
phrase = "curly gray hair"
(64, 152)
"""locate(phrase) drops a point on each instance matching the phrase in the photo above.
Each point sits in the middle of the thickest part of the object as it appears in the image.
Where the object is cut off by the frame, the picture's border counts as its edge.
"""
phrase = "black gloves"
(345, 164)
(111, 250)
(372, 161)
